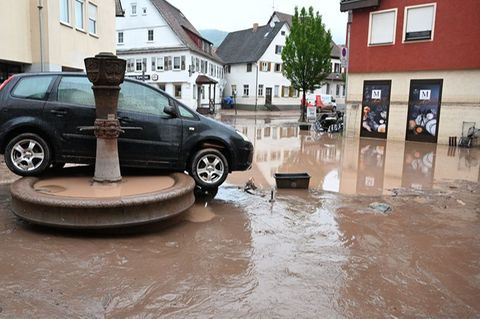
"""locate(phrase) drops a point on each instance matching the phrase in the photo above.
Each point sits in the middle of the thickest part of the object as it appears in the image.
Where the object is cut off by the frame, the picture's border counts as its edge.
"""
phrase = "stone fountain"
(107, 200)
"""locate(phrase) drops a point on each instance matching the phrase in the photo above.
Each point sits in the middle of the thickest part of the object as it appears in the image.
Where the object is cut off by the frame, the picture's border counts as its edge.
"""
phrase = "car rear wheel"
(27, 155)
(209, 168)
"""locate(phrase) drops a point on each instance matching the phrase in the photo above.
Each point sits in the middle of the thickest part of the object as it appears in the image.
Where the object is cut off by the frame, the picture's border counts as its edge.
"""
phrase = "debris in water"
(380, 207)
(461, 202)
(250, 185)
(272, 196)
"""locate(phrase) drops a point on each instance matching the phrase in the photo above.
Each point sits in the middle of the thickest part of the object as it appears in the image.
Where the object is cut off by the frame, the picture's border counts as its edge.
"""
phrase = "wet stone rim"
(68, 212)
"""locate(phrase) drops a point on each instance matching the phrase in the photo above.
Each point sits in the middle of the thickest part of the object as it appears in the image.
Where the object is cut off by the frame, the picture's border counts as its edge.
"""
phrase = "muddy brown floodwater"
(322, 253)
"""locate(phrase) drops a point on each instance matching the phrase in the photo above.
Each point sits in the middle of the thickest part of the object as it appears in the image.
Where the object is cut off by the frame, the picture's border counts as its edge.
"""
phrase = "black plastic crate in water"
(292, 180)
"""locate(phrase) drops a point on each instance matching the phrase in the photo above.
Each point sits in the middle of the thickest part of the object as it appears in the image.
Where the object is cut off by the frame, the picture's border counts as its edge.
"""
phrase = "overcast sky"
(233, 15)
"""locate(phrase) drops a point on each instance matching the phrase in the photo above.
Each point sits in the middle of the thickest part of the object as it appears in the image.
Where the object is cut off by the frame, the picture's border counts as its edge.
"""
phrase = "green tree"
(306, 55)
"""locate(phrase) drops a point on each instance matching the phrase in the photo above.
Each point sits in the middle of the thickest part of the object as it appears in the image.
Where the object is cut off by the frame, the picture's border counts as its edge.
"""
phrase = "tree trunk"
(303, 108)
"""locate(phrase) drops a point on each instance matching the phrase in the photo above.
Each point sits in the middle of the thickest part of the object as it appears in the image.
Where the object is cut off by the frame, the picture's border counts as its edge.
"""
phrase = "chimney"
(255, 27)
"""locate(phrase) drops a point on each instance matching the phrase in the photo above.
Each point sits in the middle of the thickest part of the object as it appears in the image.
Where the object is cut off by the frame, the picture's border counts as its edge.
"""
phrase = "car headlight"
(245, 138)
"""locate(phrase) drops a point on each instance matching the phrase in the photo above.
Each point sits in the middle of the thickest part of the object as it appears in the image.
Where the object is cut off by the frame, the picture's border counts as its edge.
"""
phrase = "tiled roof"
(285, 17)
(118, 9)
(181, 26)
(247, 46)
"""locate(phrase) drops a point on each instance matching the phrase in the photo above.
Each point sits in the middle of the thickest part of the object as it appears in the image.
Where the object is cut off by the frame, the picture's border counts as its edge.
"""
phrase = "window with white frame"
(246, 90)
(265, 66)
(278, 49)
(120, 37)
(278, 67)
(79, 14)
(276, 90)
(130, 65)
(160, 64)
(249, 67)
(260, 90)
(92, 18)
(139, 64)
(176, 63)
(234, 89)
(150, 35)
(144, 11)
(419, 22)
(382, 27)
(64, 11)
(134, 9)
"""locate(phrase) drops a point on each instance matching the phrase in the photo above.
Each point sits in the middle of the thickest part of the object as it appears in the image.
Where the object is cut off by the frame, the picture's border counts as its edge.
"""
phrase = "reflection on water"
(352, 166)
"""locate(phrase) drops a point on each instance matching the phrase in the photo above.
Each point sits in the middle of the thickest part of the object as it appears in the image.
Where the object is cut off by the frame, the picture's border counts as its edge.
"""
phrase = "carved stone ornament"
(105, 69)
(107, 129)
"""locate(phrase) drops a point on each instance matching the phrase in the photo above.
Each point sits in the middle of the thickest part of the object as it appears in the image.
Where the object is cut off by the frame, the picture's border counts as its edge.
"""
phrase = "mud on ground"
(306, 255)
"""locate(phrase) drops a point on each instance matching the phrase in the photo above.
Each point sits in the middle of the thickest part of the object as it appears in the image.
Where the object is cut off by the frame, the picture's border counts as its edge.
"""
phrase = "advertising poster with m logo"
(424, 110)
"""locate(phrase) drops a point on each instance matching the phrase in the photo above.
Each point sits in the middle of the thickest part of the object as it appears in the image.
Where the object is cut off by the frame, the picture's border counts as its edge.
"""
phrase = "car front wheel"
(27, 155)
(209, 168)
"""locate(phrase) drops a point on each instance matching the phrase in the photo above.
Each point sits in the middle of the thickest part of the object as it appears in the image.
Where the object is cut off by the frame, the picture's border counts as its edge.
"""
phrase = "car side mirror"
(170, 110)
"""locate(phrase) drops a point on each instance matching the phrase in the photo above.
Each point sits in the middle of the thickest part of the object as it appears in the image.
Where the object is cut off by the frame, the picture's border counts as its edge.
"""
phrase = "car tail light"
(5, 82)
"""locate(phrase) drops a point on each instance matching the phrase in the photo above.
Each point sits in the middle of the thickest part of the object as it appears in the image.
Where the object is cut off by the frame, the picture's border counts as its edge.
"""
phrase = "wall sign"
(424, 110)
(375, 108)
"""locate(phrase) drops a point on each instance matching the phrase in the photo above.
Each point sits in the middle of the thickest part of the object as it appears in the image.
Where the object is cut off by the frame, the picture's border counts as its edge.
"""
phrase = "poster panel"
(375, 108)
(424, 110)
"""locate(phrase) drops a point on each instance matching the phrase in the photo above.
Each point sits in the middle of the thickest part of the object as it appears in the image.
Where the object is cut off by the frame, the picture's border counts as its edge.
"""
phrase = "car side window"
(76, 90)
(33, 87)
(140, 98)
(185, 113)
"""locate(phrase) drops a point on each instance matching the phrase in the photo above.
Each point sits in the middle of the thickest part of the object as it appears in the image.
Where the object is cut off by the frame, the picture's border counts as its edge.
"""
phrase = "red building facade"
(455, 43)
(425, 56)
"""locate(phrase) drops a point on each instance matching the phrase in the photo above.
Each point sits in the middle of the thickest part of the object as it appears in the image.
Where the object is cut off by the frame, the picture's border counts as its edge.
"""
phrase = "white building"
(163, 48)
(253, 70)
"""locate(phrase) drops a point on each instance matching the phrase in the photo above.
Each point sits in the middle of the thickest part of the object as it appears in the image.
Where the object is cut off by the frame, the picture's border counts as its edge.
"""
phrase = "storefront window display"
(375, 109)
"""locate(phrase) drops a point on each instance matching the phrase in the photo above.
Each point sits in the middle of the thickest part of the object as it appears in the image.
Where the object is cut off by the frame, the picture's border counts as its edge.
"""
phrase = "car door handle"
(125, 119)
(59, 112)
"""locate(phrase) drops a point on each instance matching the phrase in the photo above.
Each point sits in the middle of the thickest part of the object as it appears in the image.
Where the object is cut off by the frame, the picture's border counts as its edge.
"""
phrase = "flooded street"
(322, 253)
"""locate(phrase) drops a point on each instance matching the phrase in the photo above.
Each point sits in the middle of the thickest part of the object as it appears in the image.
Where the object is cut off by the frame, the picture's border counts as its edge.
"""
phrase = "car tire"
(28, 154)
(209, 168)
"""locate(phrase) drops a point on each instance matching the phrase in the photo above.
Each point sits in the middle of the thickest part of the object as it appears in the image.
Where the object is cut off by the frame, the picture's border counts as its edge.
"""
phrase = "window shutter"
(291, 91)
(283, 91)
(382, 28)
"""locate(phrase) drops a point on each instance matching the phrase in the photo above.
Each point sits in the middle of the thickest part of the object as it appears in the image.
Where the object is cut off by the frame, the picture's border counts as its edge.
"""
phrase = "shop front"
(8, 69)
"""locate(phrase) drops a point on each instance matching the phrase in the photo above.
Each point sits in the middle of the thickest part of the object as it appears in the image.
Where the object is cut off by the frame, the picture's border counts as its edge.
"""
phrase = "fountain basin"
(74, 202)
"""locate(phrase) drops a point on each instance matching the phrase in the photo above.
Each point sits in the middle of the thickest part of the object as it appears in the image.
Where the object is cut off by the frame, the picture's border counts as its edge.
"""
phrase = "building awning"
(203, 79)
(347, 5)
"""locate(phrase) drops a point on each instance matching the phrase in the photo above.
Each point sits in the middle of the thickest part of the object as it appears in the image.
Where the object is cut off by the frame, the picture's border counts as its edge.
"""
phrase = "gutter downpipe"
(256, 86)
(40, 7)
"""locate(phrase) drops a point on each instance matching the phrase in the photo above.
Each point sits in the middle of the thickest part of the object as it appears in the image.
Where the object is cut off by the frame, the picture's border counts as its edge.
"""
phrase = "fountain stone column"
(106, 71)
